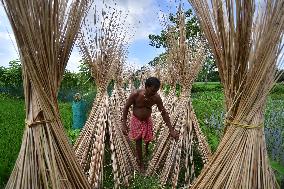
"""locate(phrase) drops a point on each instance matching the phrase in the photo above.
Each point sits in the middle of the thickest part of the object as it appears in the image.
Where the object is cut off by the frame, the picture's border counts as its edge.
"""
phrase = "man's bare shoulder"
(135, 93)
(157, 98)
(139, 91)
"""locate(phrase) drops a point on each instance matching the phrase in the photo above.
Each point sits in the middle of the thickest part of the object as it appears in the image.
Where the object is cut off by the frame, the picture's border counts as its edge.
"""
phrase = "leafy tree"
(12, 76)
(192, 30)
(85, 77)
(70, 80)
(11, 81)
(209, 72)
(158, 60)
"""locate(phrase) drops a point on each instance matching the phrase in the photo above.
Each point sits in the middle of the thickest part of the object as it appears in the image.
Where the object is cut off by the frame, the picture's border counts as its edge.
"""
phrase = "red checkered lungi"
(141, 129)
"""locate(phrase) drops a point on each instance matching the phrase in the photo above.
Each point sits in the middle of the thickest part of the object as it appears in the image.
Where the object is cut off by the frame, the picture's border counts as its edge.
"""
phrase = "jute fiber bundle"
(103, 48)
(45, 32)
(171, 157)
(246, 38)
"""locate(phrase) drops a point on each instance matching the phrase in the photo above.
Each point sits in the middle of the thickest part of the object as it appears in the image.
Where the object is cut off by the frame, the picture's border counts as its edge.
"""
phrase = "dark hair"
(153, 81)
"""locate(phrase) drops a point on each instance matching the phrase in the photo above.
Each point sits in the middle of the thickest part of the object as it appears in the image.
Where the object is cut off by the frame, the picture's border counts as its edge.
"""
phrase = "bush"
(206, 87)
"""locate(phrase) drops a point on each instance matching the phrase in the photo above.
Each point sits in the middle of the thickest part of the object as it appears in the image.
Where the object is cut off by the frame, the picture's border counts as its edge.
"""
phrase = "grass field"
(208, 105)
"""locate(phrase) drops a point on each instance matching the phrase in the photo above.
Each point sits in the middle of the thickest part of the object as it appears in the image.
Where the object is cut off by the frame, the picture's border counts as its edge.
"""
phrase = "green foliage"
(70, 80)
(192, 30)
(158, 40)
(66, 115)
(209, 71)
(205, 105)
(12, 76)
(81, 82)
(279, 172)
(11, 81)
(206, 87)
(159, 60)
(73, 134)
(277, 91)
(12, 116)
(143, 182)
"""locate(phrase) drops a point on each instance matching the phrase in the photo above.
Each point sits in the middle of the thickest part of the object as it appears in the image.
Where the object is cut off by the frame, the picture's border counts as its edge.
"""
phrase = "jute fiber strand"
(102, 47)
(45, 33)
(170, 157)
(246, 39)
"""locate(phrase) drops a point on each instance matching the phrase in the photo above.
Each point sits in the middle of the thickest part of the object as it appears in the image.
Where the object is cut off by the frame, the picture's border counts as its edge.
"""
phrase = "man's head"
(152, 85)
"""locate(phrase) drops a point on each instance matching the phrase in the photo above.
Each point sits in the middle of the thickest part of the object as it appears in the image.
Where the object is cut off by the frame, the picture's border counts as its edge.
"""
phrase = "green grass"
(12, 116)
(279, 170)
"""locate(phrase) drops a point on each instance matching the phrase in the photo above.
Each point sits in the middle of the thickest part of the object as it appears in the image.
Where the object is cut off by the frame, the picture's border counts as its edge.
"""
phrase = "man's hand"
(174, 134)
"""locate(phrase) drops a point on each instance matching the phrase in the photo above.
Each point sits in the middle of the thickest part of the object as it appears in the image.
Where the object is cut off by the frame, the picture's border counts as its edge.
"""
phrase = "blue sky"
(143, 15)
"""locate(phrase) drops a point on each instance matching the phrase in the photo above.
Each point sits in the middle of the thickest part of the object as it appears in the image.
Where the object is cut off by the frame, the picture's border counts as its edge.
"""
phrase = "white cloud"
(134, 63)
(141, 15)
(73, 63)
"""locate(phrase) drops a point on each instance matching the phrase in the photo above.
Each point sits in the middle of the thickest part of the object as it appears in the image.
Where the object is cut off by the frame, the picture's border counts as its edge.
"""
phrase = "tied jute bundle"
(103, 46)
(246, 38)
(45, 32)
(171, 157)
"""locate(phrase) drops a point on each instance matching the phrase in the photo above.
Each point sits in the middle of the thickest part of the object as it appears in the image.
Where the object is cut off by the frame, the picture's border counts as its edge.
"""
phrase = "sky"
(142, 15)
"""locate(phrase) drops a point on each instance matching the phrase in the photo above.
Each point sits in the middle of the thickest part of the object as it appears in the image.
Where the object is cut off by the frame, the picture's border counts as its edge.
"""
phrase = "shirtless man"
(141, 126)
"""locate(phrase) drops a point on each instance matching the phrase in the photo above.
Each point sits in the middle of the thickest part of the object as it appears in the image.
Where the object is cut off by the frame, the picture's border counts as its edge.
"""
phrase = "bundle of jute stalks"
(246, 38)
(103, 48)
(45, 32)
(170, 157)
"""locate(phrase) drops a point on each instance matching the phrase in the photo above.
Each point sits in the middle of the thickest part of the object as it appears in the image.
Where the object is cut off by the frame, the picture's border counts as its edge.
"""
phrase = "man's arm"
(166, 118)
(129, 102)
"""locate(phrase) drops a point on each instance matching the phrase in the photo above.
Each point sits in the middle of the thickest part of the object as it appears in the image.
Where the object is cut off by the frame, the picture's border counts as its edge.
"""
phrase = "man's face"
(151, 91)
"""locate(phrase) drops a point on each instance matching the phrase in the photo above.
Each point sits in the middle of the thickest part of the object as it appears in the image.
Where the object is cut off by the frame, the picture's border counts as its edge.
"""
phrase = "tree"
(12, 76)
(192, 30)
(85, 76)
